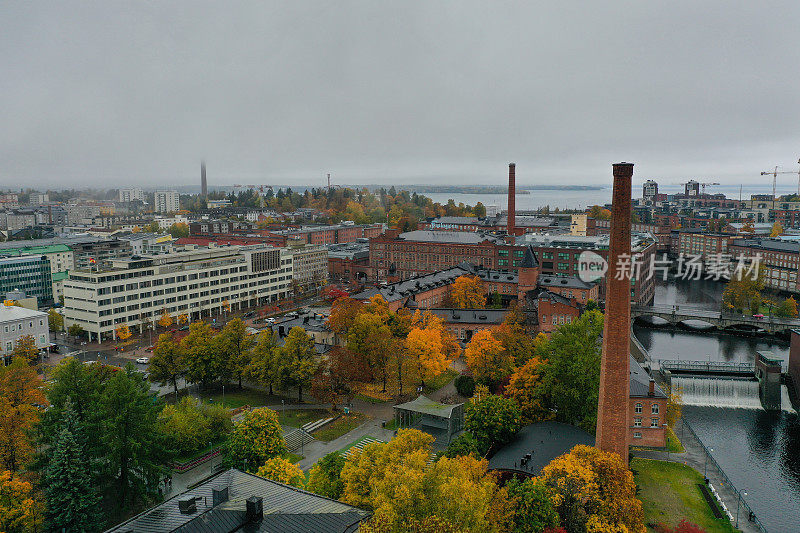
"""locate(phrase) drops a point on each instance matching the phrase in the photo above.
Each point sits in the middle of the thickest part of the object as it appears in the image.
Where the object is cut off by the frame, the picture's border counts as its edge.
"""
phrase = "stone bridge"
(676, 315)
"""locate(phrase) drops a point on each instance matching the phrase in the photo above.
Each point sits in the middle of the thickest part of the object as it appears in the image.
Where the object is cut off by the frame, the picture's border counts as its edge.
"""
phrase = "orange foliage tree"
(21, 396)
(166, 319)
(486, 357)
(468, 292)
(18, 509)
(594, 491)
(525, 386)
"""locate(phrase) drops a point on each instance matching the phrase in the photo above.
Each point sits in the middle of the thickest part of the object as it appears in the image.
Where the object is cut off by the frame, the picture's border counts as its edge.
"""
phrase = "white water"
(739, 393)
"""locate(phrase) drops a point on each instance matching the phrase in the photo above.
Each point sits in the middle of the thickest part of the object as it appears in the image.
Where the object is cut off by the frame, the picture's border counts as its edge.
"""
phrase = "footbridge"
(677, 315)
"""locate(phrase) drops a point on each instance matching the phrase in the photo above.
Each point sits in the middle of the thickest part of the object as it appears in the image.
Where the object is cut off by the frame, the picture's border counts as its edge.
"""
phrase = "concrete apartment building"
(200, 283)
(17, 322)
(129, 195)
(310, 267)
(166, 202)
(28, 273)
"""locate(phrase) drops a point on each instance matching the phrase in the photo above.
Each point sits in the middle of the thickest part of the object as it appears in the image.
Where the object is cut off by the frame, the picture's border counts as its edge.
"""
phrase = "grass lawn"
(237, 398)
(391, 425)
(293, 457)
(440, 381)
(369, 399)
(673, 443)
(298, 417)
(337, 428)
(669, 493)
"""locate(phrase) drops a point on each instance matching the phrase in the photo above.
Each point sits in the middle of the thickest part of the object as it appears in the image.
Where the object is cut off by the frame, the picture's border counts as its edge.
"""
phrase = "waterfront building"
(647, 408)
(779, 259)
(703, 243)
(17, 322)
(200, 283)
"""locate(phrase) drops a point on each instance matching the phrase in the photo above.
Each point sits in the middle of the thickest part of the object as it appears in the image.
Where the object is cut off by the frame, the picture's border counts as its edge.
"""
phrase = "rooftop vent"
(187, 505)
(219, 495)
(255, 509)
(563, 282)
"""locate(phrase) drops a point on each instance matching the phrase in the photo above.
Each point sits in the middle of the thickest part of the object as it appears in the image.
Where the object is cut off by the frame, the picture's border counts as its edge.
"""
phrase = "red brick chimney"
(512, 197)
(612, 410)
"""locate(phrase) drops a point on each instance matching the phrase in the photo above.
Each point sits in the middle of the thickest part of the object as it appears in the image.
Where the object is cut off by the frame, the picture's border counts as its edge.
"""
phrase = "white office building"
(200, 283)
(17, 322)
(129, 195)
(167, 201)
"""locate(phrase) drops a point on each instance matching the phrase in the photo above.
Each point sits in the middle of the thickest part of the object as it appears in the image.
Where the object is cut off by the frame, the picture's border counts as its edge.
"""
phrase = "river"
(759, 451)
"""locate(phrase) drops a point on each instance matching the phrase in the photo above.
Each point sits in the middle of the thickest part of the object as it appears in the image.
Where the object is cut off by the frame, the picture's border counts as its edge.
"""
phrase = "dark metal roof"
(530, 259)
(285, 509)
(544, 441)
(570, 282)
(471, 316)
(456, 237)
(640, 382)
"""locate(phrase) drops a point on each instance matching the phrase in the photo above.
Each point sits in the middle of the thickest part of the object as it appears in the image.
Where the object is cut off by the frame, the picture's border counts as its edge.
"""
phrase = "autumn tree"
(204, 364)
(343, 312)
(75, 330)
(514, 336)
(337, 375)
(73, 502)
(190, 424)
(134, 449)
(492, 420)
(527, 389)
(787, 308)
(743, 291)
(300, 361)
(594, 491)
(123, 332)
(468, 292)
(21, 398)
(325, 477)
(283, 471)
(371, 338)
(168, 363)
(777, 230)
(674, 406)
(166, 319)
(55, 320)
(255, 439)
(18, 507)
(486, 357)
(25, 349)
(235, 345)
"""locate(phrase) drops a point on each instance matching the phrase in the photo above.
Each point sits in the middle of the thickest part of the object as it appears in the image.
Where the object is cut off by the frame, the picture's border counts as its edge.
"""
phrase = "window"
(637, 408)
(637, 434)
(654, 422)
(637, 422)
(654, 409)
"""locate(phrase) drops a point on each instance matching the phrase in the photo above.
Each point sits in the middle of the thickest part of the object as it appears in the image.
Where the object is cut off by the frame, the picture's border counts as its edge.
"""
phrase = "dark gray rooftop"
(569, 282)
(471, 316)
(455, 237)
(777, 245)
(640, 382)
(286, 509)
(544, 441)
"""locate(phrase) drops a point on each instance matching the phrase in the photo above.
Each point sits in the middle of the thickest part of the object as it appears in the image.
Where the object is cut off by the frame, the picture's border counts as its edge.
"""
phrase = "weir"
(718, 392)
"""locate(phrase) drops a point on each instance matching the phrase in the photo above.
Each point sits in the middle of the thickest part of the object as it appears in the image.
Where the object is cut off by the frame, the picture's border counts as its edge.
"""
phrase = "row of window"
(654, 422)
(653, 408)
(18, 327)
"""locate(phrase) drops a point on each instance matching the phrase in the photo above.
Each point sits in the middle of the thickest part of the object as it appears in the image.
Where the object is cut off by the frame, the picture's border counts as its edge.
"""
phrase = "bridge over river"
(679, 314)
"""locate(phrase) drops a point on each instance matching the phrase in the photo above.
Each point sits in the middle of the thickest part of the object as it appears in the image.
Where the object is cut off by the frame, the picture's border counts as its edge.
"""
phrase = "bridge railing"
(739, 367)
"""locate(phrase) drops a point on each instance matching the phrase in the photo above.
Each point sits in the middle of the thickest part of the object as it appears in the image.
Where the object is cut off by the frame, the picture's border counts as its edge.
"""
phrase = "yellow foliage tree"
(409, 493)
(424, 348)
(468, 292)
(525, 386)
(20, 395)
(674, 406)
(18, 509)
(777, 229)
(183, 318)
(596, 487)
(25, 349)
(748, 227)
(123, 332)
(166, 319)
(283, 471)
(486, 357)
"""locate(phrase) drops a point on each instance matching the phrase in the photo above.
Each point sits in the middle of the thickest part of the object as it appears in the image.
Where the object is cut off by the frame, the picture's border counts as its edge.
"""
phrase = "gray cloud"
(117, 93)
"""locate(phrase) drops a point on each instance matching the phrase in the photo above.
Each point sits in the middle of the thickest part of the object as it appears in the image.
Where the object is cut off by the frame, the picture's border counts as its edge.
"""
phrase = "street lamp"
(705, 468)
(739, 504)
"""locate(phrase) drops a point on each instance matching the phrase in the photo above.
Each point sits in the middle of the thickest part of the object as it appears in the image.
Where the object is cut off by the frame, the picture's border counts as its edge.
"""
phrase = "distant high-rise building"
(203, 182)
(167, 201)
(692, 188)
(649, 189)
(129, 195)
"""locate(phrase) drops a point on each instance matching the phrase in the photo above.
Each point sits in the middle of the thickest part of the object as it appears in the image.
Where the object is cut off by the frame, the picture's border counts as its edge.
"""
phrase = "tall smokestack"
(512, 197)
(203, 182)
(612, 410)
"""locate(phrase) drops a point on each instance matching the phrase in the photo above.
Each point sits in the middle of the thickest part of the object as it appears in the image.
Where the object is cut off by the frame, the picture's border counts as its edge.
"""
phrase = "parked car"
(759, 316)
(150, 348)
(142, 360)
(271, 320)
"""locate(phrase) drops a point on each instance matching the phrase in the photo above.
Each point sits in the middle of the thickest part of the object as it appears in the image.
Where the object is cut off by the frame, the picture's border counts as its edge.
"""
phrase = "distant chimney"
(512, 193)
(203, 182)
(651, 391)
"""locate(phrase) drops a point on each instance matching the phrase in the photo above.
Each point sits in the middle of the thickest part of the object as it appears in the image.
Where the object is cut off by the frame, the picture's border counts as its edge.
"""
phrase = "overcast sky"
(110, 94)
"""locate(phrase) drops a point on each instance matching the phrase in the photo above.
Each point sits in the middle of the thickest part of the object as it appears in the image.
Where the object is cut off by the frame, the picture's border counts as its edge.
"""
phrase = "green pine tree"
(73, 503)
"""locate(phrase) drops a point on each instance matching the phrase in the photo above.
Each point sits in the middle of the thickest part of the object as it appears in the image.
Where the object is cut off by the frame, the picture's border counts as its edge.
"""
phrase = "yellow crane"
(774, 175)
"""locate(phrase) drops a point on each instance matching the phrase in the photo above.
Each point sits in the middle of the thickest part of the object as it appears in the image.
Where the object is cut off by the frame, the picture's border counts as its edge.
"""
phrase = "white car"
(142, 360)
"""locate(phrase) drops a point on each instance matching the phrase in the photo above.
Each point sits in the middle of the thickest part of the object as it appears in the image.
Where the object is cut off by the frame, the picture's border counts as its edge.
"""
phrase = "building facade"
(129, 195)
(779, 260)
(166, 202)
(199, 283)
(310, 267)
(17, 322)
(28, 273)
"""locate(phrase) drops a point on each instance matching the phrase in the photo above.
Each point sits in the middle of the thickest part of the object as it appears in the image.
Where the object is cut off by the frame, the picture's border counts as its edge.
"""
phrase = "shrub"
(464, 444)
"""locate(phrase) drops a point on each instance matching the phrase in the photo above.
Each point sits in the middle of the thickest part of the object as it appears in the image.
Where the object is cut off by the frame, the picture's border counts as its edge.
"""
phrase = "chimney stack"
(512, 193)
(651, 391)
(612, 410)
(203, 182)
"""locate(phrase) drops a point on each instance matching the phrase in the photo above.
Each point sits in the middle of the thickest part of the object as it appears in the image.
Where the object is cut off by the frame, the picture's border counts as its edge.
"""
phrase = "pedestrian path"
(359, 445)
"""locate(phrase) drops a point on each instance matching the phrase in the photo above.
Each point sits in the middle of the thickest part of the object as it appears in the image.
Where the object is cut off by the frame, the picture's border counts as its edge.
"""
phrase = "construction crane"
(774, 175)
(703, 184)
